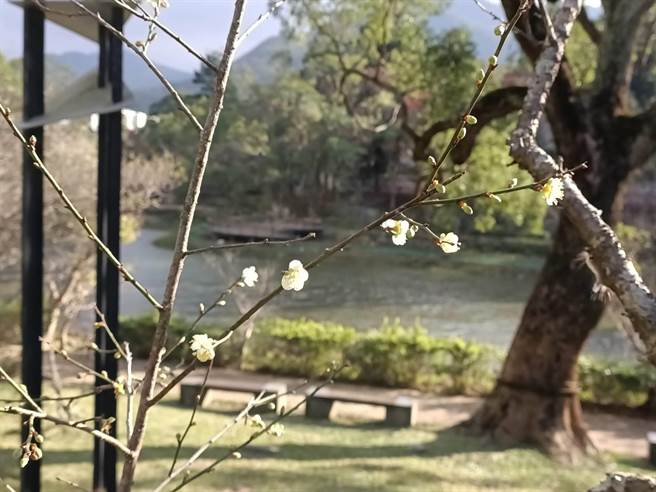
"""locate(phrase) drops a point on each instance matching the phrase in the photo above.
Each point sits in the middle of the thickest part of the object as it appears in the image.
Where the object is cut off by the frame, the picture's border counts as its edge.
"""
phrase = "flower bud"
(32, 141)
(465, 208)
(462, 133)
(493, 61)
(500, 29)
(480, 76)
(471, 119)
(439, 187)
(493, 197)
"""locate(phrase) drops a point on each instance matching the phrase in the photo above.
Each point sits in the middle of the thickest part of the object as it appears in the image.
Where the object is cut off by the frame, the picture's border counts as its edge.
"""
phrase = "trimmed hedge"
(395, 356)
(391, 356)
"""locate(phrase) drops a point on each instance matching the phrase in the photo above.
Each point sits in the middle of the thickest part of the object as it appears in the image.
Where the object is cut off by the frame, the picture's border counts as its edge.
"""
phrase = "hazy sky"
(202, 23)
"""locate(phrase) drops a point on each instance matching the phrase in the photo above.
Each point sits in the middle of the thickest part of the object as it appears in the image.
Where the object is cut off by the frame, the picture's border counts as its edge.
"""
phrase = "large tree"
(536, 398)
(385, 48)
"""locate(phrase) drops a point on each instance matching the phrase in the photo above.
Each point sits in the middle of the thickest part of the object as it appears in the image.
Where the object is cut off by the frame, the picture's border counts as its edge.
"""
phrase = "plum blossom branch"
(181, 437)
(30, 147)
(461, 131)
(181, 244)
(255, 402)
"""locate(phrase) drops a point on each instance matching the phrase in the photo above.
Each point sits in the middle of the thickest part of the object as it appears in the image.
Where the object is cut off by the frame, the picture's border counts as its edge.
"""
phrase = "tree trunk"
(535, 400)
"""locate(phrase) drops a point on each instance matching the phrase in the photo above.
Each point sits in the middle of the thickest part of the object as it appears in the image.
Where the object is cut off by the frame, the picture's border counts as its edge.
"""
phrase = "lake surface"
(472, 294)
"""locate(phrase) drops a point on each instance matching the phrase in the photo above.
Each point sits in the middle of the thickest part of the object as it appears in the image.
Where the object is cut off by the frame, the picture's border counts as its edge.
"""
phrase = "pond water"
(472, 294)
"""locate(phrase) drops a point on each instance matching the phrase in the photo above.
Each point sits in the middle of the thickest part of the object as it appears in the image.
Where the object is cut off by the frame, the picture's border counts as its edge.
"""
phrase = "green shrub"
(615, 382)
(470, 366)
(297, 347)
(410, 357)
(394, 356)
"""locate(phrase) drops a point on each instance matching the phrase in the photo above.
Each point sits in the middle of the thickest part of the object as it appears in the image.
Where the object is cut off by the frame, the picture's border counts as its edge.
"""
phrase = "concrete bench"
(400, 411)
(651, 441)
(190, 390)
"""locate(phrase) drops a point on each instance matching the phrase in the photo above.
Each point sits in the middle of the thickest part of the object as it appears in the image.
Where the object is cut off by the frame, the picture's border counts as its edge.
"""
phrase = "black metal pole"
(109, 222)
(32, 229)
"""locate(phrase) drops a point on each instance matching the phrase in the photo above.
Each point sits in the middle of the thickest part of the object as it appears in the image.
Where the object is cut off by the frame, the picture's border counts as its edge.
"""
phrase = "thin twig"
(173, 383)
(511, 189)
(241, 446)
(95, 391)
(20, 389)
(70, 483)
(144, 15)
(75, 425)
(181, 104)
(455, 137)
(488, 11)
(257, 401)
(38, 163)
(276, 5)
(190, 424)
(263, 242)
(220, 300)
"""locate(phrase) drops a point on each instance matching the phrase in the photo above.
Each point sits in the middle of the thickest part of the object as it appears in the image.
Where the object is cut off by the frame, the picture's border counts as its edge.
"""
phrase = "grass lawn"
(340, 456)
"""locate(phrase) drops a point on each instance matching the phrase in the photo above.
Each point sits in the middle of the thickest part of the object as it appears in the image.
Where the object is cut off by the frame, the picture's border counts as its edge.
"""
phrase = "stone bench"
(192, 388)
(400, 411)
(651, 441)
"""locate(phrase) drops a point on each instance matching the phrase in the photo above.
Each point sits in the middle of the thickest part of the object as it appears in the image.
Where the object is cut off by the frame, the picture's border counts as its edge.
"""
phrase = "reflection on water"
(472, 294)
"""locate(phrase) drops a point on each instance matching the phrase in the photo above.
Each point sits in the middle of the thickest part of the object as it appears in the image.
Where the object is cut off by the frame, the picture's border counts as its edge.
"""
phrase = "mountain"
(143, 83)
(260, 63)
(465, 13)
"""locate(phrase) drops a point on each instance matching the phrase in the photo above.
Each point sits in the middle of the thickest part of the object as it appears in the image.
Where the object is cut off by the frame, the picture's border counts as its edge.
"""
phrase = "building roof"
(68, 15)
(82, 97)
(78, 100)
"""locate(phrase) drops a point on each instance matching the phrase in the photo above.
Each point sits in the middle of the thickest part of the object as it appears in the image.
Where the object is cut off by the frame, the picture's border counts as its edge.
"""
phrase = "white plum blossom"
(295, 276)
(449, 242)
(553, 191)
(202, 347)
(249, 276)
(277, 430)
(398, 229)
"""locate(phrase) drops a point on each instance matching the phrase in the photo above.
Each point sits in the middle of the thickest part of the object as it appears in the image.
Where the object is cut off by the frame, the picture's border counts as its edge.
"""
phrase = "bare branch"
(263, 17)
(264, 242)
(182, 240)
(589, 27)
(75, 425)
(143, 14)
(38, 163)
